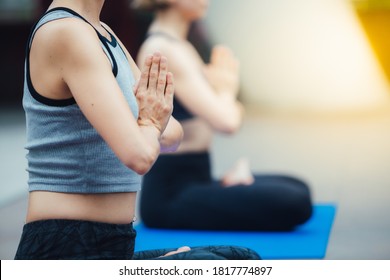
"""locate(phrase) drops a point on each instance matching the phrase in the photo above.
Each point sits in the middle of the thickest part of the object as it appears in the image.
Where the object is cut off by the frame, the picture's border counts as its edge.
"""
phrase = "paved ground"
(344, 158)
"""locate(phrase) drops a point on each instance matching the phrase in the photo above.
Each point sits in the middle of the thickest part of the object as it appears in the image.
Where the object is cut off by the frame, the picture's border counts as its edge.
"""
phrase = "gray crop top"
(65, 153)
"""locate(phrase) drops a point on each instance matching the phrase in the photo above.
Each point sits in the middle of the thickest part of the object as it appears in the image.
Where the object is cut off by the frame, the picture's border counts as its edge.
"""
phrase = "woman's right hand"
(154, 93)
(179, 250)
(223, 70)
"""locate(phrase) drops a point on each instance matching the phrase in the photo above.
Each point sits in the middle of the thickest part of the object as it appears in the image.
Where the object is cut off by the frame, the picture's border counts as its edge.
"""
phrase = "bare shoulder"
(178, 53)
(163, 45)
(65, 35)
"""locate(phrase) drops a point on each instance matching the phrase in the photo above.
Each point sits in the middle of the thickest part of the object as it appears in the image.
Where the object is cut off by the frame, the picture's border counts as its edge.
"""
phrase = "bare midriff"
(197, 136)
(116, 208)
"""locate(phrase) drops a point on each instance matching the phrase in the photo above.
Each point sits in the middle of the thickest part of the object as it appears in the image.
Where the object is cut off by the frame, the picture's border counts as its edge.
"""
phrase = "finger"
(214, 55)
(233, 64)
(218, 55)
(135, 87)
(170, 88)
(226, 56)
(227, 51)
(184, 249)
(154, 70)
(162, 76)
(143, 81)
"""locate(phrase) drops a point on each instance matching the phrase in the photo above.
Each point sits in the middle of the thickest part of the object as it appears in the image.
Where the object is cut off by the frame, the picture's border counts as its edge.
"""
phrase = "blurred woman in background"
(179, 191)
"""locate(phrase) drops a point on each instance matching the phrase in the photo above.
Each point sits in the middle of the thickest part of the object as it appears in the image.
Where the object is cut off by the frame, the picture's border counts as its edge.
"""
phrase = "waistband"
(63, 223)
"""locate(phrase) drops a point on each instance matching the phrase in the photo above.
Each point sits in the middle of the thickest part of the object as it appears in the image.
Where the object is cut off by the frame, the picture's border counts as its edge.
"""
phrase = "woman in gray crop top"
(92, 132)
(179, 191)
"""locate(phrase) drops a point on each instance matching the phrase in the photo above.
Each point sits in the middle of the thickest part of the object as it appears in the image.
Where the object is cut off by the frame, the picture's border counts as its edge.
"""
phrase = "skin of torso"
(197, 136)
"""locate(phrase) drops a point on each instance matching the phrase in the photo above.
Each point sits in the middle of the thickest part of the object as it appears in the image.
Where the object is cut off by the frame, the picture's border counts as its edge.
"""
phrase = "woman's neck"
(170, 23)
(89, 9)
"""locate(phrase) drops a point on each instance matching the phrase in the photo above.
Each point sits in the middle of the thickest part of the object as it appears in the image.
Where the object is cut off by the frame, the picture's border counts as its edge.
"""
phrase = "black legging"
(60, 239)
(201, 253)
(179, 192)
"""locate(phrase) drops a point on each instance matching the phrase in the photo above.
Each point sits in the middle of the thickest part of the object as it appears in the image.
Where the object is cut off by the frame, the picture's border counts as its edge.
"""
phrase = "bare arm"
(89, 77)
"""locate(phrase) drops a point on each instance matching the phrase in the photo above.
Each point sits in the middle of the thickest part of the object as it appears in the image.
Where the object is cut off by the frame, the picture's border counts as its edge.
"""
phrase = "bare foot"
(240, 174)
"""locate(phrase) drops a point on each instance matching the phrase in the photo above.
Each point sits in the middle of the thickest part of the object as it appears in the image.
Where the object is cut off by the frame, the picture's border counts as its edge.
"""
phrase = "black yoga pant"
(179, 192)
(201, 253)
(84, 240)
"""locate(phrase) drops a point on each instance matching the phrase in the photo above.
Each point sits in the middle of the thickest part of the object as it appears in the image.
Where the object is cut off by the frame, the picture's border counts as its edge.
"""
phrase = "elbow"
(141, 163)
(229, 127)
(141, 169)
(228, 122)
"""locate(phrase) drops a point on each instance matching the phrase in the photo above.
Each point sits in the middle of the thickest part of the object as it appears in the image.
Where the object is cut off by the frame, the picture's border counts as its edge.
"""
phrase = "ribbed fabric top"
(65, 153)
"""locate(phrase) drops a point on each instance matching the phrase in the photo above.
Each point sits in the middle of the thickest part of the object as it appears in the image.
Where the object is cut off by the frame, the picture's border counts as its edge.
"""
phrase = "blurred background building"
(302, 54)
(310, 55)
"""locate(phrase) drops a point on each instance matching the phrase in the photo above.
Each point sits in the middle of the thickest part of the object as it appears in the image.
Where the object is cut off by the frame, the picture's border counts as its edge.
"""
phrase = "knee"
(234, 252)
(300, 207)
(252, 255)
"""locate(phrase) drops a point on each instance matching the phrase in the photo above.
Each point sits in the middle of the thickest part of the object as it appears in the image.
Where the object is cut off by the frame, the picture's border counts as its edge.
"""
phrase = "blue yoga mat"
(308, 241)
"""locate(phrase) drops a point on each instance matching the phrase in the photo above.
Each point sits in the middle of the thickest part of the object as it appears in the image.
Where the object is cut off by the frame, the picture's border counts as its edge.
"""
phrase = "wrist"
(150, 128)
